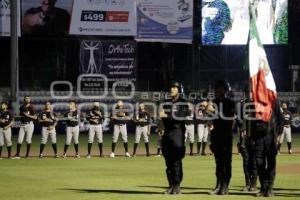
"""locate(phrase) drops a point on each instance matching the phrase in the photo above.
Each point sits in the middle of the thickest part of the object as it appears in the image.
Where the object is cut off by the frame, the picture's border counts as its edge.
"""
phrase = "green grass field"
(128, 178)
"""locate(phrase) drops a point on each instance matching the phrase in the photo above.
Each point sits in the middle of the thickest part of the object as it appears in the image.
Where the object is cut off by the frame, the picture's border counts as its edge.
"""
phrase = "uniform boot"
(263, 186)
(135, 146)
(247, 184)
(198, 147)
(269, 189)
(147, 149)
(66, 149)
(191, 149)
(289, 144)
(89, 148)
(176, 189)
(217, 188)
(8, 152)
(203, 149)
(253, 181)
(170, 188)
(100, 145)
(28, 150)
(158, 152)
(224, 188)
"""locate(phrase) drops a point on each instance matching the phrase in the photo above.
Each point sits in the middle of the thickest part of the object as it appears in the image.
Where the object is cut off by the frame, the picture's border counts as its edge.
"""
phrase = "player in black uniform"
(72, 129)
(48, 122)
(27, 118)
(287, 131)
(221, 137)
(95, 118)
(6, 121)
(119, 118)
(173, 115)
(142, 121)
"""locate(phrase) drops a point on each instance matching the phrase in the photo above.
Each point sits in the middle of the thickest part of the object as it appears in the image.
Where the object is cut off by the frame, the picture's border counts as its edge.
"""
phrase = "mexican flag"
(263, 87)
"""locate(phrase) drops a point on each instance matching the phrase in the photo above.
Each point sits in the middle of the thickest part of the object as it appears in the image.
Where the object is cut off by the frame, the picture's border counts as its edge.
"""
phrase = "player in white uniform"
(27, 117)
(286, 129)
(72, 120)
(119, 119)
(190, 128)
(142, 121)
(95, 118)
(48, 122)
(6, 121)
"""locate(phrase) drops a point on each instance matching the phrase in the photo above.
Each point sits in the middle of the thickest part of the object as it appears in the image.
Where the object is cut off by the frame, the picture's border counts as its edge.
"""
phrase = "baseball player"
(72, 120)
(6, 121)
(27, 117)
(160, 133)
(95, 118)
(48, 122)
(119, 119)
(202, 127)
(142, 121)
(190, 128)
(286, 129)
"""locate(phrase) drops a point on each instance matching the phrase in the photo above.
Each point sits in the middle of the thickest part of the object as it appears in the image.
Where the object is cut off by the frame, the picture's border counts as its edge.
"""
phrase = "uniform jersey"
(200, 118)
(142, 118)
(176, 115)
(120, 116)
(47, 115)
(26, 110)
(95, 117)
(7, 117)
(287, 117)
(72, 118)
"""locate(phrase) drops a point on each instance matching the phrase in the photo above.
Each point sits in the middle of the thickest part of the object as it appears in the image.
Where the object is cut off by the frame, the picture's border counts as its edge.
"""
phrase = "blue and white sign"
(165, 21)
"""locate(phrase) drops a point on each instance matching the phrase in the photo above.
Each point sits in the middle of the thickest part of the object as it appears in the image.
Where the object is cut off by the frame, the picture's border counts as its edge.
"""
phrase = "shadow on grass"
(110, 191)
(183, 188)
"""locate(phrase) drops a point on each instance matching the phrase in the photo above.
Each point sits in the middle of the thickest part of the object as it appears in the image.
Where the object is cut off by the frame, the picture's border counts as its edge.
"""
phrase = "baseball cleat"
(56, 156)
(157, 156)
(41, 156)
(17, 158)
(77, 156)
(290, 152)
(112, 155)
(64, 155)
(88, 156)
(127, 155)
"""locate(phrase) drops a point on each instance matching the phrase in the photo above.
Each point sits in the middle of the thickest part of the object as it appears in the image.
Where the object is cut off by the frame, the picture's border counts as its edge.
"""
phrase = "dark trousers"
(265, 155)
(223, 157)
(173, 150)
(247, 150)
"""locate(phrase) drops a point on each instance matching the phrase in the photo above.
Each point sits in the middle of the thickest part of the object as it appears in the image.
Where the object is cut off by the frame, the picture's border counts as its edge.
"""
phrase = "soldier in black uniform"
(28, 116)
(265, 139)
(6, 121)
(173, 116)
(142, 121)
(246, 149)
(48, 122)
(221, 137)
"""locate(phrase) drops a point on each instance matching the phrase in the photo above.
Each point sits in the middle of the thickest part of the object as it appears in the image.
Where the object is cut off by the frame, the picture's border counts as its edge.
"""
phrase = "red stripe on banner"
(117, 16)
(263, 97)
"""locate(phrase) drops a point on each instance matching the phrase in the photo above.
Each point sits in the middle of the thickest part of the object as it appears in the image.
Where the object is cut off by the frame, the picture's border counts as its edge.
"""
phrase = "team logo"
(4, 4)
(184, 8)
(91, 57)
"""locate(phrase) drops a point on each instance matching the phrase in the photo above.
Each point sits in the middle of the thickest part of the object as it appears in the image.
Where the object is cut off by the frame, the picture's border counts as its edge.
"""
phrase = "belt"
(143, 125)
(24, 123)
(120, 124)
(72, 126)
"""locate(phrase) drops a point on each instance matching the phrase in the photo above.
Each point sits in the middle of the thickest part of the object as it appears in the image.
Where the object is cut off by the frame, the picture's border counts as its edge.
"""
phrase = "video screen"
(226, 22)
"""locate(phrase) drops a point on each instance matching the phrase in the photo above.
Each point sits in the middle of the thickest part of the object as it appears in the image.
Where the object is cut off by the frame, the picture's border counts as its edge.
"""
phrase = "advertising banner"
(168, 20)
(104, 17)
(5, 18)
(113, 60)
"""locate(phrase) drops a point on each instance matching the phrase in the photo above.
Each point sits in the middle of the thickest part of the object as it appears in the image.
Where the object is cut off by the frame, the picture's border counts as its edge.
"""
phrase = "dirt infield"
(289, 169)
